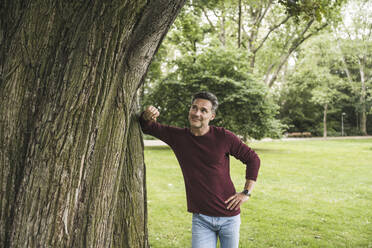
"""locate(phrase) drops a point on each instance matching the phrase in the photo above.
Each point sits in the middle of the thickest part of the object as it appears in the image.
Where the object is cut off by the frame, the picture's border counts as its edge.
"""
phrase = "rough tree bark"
(72, 171)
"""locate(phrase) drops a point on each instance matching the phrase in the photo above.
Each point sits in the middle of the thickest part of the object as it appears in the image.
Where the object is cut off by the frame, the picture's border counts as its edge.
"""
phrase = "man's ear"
(213, 116)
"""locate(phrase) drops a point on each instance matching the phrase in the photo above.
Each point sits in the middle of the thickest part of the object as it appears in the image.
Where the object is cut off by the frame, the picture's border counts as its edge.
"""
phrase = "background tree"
(328, 86)
(271, 31)
(326, 94)
(245, 106)
(354, 36)
(297, 111)
(314, 81)
(72, 170)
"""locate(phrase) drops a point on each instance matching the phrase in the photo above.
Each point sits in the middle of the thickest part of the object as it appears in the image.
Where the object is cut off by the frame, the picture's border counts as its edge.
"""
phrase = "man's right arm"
(149, 125)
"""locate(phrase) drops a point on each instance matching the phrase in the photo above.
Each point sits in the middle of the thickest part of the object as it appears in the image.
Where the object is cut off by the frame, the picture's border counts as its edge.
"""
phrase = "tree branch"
(295, 45)
(260, 17)
(269, 32)
(206, 16)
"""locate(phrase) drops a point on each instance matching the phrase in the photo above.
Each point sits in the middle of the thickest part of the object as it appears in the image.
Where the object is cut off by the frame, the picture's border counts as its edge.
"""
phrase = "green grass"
(308, 194)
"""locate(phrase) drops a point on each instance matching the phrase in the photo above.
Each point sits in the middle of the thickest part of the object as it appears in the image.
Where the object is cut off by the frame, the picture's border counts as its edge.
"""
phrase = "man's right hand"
(150, 113)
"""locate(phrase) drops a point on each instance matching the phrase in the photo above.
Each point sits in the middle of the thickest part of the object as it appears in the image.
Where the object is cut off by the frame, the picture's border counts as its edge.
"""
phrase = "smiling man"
(203, 154)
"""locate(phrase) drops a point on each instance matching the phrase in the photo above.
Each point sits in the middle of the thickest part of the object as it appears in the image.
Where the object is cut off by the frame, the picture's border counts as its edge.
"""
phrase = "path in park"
(161, 143)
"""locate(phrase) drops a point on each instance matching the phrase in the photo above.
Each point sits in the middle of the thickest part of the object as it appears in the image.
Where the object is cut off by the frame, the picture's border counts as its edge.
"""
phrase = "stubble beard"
(194, 125)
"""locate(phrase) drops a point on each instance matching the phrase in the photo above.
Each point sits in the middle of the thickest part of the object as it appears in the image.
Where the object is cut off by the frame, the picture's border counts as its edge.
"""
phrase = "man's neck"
(199, 131)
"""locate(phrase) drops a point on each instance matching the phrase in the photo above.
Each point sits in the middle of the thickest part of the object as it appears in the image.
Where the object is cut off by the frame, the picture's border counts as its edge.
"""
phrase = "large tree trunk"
(72, 171)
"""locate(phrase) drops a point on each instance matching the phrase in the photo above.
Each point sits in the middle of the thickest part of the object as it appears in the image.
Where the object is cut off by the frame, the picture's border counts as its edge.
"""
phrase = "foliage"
(330, 69)
(274, 36)
(269, 31)
(355, 46)
(313, 89)
(308, 9)
(297, 110)
(245, 107)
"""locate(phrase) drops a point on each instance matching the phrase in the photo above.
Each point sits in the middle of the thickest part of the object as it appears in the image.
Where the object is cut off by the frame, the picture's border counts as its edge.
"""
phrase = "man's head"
(203, 109)
(207, 96)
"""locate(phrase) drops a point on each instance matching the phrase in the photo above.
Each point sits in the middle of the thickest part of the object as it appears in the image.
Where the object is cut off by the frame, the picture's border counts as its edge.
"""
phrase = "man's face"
(200, 113)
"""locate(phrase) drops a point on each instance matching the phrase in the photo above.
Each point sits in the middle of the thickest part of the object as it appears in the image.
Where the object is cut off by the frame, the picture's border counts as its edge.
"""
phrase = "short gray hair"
(207, 96)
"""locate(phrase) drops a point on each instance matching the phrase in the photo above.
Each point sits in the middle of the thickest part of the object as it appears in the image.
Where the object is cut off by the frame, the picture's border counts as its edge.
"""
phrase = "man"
(203, 154)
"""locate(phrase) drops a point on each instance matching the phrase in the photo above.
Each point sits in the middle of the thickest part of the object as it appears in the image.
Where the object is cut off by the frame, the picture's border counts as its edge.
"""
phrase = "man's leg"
(204, 234)
(229, 232)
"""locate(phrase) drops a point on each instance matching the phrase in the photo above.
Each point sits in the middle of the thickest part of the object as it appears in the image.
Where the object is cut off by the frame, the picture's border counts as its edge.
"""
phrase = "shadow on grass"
(157, 148)
(270, 150)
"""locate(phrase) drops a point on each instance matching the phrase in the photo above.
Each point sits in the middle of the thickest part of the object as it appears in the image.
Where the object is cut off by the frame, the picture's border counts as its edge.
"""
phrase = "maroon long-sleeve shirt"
(205, 165)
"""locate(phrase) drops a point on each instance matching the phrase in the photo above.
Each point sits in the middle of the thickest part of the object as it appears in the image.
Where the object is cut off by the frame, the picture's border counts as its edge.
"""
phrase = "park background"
(278, 72)
(74, 75)
(276, 69)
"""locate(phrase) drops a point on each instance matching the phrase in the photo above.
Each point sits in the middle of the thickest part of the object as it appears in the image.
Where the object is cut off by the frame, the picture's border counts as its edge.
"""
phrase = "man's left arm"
(249, 157)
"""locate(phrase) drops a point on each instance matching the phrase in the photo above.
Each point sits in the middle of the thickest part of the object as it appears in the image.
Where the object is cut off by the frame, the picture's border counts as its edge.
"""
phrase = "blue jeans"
(206, 230)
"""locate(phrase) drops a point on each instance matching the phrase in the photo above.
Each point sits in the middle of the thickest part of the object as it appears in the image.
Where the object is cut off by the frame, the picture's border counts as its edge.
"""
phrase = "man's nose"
(197, 112)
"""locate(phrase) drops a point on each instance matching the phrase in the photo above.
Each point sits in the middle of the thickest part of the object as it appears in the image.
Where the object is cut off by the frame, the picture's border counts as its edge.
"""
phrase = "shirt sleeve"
(153, 128)
(245, 154)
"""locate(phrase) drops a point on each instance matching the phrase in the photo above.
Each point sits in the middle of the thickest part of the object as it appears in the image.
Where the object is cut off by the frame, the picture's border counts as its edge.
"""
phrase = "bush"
(245, 106)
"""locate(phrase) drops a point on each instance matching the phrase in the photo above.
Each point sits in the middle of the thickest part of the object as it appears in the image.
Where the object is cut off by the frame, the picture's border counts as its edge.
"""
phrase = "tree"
(245, 107)
(72, 170)
(313, 82)
(271, 31)
(328, 86)
(326, 93)
(355, 43)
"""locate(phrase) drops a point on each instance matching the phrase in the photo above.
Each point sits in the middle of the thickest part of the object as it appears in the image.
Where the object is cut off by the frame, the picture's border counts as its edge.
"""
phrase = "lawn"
(310, 193)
